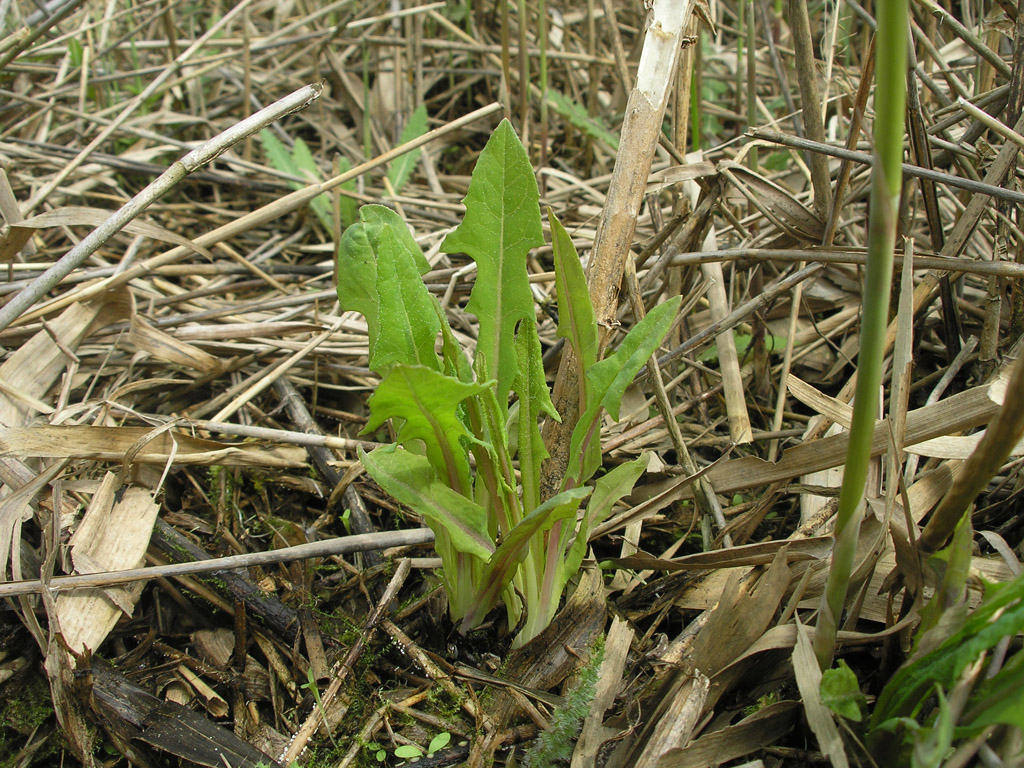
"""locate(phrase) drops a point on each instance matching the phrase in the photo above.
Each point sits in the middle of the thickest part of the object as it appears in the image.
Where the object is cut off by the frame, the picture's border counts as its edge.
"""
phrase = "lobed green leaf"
(380, 270)
(424, 403)
(501, 225)
(607, 381)
(608, 490)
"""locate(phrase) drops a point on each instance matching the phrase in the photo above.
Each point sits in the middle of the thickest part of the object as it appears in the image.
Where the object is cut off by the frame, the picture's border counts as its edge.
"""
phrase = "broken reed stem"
(341, 545)
(641, 128)
(886, 184)
(192, 161)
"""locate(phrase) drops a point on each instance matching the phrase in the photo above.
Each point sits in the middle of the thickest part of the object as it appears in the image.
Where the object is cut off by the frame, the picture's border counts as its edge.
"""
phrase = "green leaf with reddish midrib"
(534, 400)
(500, 568)
(608, 379)
(424, 403)
(608, 489)
(501, 225)
(577, 323)
(410, 479)
(379, 274)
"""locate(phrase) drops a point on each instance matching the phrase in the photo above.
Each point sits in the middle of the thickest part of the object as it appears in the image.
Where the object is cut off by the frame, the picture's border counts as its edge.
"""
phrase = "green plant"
(496, 536)
(410, 751)
(916, 703)
(301, 163)
(311, 686)
(886, 183)
(402, 167)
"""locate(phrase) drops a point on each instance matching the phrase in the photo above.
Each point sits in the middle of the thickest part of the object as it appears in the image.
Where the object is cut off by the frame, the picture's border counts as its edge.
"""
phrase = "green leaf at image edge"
(1000, 614)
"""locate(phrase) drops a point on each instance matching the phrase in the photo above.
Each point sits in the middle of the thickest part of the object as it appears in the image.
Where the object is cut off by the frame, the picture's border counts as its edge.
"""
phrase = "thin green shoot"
(886, 183)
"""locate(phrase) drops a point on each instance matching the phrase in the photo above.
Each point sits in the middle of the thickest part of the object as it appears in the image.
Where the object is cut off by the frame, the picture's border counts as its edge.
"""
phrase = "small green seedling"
(311, 686)
(402, 167)
(466, 460)
(379, 753)
(411, 751)
(301, 163)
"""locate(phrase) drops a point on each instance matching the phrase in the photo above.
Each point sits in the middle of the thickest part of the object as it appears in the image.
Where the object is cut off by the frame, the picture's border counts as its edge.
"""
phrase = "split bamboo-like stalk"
(641, 128)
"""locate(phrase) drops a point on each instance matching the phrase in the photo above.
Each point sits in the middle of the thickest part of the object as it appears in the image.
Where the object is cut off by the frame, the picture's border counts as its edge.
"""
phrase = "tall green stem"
(886, 182)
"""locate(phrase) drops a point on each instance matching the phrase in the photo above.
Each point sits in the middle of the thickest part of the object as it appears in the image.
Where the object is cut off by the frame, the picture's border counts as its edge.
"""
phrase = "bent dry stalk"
(496, 537)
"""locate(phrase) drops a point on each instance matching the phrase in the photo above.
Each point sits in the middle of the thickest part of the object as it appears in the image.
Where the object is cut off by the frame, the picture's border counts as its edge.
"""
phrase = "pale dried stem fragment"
(641, 128)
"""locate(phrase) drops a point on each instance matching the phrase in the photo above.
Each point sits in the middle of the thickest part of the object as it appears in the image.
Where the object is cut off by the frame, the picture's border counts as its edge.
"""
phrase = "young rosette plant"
(468, 449)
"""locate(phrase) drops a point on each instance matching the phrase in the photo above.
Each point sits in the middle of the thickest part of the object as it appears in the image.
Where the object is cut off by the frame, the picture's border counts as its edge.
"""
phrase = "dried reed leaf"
(808, 680)
(956, 446)
(36, 364)
(245, 330)
(829, 407)
(75, 215)
(113, 536)
(789, 211)
(964, 410)
(114, 443)
(169, 349)
(15, 509)
(761, 729)
(763, 553)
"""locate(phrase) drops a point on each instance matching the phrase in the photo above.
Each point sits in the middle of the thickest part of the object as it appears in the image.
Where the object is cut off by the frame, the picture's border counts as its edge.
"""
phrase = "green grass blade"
(401, 169)
(306, 164)
(577, 115)
(299, 162)
(886, 182)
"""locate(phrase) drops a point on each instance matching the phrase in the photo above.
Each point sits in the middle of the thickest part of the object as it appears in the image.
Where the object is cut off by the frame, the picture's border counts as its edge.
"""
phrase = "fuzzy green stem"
(886, 182)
